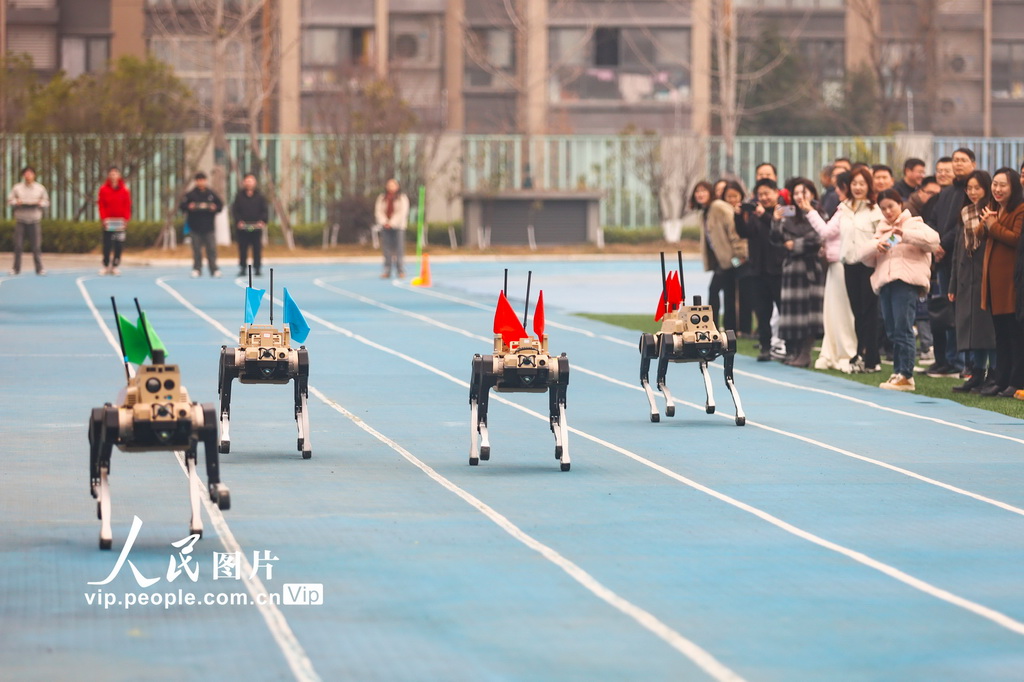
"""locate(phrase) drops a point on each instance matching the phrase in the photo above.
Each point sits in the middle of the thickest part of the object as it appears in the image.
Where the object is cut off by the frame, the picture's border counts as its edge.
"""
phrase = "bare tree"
(232, 44)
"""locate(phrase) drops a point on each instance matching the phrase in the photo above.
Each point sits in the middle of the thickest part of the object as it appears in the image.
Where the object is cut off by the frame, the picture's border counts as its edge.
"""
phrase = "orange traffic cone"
(424, 279)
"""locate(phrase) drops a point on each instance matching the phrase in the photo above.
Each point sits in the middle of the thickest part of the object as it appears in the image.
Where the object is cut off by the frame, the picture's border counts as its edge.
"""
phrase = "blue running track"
(844, 533)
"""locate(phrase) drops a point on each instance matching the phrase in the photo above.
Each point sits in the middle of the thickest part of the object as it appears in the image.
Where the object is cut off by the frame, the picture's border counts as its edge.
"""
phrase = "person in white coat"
(391, 211)
(839, 345)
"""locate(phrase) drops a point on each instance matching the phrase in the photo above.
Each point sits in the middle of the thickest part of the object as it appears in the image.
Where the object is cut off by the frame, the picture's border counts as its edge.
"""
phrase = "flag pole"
(504, 289)
(250, 277)
(682, 287)
(120, 339)
(664, 285)
(526, 312)
(271, 297)
(145, 330)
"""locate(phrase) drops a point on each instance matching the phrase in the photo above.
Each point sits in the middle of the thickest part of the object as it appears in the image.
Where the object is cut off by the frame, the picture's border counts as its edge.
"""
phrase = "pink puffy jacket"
(908, 261)
(829, 233)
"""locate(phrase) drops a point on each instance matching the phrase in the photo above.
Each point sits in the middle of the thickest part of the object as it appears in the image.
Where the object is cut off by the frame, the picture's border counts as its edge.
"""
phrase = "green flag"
(154, 340)
(135, 348)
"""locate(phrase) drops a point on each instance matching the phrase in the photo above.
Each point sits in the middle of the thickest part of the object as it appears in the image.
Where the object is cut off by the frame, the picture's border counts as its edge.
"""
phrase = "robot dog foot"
(220, 494)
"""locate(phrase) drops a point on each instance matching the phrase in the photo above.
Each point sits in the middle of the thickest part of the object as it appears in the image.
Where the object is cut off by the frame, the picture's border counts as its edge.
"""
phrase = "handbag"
(940, 310)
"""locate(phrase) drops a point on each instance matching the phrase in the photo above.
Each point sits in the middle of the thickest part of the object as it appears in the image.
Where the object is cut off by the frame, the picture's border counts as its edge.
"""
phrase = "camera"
(788, 211)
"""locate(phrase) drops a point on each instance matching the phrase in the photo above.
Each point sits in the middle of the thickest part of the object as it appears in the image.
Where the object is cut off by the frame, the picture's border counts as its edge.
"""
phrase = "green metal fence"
(313, 172)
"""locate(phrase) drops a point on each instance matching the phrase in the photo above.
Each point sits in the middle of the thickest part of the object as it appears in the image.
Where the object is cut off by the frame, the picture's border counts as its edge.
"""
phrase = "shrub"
(69, 236)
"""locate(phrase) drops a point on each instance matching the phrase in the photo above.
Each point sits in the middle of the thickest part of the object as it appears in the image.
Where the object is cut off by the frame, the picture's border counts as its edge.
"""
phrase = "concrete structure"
(953, 67)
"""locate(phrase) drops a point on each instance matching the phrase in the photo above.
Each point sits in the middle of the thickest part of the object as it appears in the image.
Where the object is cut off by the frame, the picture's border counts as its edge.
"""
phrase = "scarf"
(972, 220)
(389, 207)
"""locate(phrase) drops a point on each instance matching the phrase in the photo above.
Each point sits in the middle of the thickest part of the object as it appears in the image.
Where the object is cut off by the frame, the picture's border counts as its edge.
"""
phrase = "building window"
(826, 59)
(1007, 70)
(620, 64)
(80, 54)
(490, 58)
(38, 42)
(191, 57)
(330, 52)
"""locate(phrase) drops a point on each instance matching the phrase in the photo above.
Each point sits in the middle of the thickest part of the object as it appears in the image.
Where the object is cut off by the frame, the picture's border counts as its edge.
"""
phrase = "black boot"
(976, 380)
(802, 358)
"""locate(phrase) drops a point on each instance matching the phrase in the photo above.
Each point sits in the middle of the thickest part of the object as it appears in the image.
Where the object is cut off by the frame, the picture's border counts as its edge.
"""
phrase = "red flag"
(538, 317)
(675, 295)
(675, 290)
(506, 322)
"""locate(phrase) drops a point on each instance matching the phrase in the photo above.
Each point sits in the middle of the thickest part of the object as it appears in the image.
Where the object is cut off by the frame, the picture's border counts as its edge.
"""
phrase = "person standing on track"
(249, 213)
(28, 198)
(391, 211)
(115, 206)
(202, 204)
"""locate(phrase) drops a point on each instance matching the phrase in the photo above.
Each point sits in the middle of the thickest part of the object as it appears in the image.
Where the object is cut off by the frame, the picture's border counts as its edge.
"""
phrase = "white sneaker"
(898, 382)
(196, 274)
(115, 271)
(216, 273)
(104, 271)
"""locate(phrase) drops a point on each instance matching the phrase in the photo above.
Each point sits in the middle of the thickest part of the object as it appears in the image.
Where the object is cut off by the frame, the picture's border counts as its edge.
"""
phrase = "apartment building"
(952, 67)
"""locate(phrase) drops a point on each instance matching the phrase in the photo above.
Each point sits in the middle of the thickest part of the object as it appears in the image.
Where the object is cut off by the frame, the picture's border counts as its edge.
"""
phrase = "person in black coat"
(763, 283)
(200, 205)
(249, 214)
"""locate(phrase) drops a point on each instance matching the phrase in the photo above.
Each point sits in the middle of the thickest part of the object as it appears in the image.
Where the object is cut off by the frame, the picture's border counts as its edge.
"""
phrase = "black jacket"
(249, 209)
(945, 217)
(765, 258)
(201, 219)
(904, 189)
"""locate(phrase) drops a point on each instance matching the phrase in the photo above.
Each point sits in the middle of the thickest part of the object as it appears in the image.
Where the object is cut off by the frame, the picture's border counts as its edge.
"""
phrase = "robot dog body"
(155, 415)
(264, 356)
(688, 334)
(520, 363)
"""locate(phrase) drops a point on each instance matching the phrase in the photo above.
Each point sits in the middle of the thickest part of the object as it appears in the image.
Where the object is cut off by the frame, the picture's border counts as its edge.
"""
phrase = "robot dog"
(264, 356)
(520, 364)
(688, 334)
(154, 415)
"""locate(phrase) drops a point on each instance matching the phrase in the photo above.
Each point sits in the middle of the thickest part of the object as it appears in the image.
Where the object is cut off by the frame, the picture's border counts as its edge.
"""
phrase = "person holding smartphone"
(901, 255)
(28, 198)
(202, 204)
(803, 277)
(115, 206)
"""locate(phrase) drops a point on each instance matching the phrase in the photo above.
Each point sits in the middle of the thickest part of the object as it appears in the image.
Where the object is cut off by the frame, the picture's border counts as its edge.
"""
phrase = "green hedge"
(67, 236)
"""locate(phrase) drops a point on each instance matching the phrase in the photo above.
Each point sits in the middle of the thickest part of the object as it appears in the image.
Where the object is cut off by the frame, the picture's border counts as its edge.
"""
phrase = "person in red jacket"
(115, 204)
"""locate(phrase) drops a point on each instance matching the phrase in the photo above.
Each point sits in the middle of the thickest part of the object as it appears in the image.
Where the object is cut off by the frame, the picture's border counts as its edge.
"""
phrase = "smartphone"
(788, 211)
(892, 240)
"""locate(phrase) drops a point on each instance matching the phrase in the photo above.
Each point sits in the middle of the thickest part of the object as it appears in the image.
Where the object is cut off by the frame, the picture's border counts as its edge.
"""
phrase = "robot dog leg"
(301, 403)
(219, 492)
(103, 430)
(665, 349)
(648, 351)
(228, 371)
(728, 360)
(556, 406)
(479, 398)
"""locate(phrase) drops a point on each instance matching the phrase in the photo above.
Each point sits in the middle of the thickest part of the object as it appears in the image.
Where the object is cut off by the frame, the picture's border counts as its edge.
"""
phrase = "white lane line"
(618, 382)
(752, 375)
(299, 663)
(691, 650)
(695, 653)
(990, 614)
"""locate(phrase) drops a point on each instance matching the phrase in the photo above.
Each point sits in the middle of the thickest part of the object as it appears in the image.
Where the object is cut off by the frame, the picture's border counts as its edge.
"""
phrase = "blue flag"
(253, 298)
(294, 319)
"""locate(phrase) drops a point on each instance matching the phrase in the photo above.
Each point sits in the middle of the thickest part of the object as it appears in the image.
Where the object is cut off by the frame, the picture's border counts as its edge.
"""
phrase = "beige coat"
(399, 217)
(720, 232)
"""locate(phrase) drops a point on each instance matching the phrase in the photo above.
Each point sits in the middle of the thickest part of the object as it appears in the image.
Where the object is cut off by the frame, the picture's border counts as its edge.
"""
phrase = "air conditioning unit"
(963, 65)
(415, 41)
